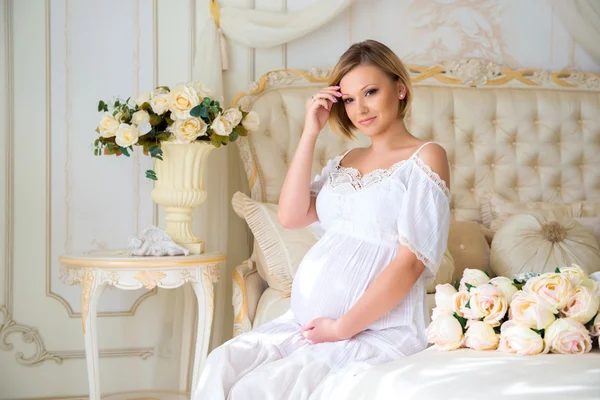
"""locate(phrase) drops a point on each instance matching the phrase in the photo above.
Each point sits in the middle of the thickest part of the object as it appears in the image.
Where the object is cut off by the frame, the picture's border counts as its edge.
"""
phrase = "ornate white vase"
(180, 187)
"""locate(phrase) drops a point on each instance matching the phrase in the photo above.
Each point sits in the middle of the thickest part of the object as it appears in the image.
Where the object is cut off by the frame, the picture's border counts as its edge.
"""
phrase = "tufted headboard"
(529, 135)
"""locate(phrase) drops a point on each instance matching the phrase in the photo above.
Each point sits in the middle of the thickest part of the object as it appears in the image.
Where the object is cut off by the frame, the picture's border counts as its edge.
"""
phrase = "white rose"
(159, 90)
(459, 302)
(443, 297)
(529, 310)
(445, 332)
(234, 115)
(108, 125)
(518, 339)
(127, 135)
(582, 306)
(488, 302)
(200, 89)
(181, 100)
(506, 286)
(143, 98)
(595, 329)
(473, 277)
(139, 117)
(555, 289)
(574, 273)
(188, 130)
(481, 336)
(160, 103)
(251, 122)
(567, 336)
(221, 125)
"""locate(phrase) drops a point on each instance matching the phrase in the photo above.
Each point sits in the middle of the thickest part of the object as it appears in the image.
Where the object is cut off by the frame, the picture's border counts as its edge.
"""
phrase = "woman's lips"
(367, 121)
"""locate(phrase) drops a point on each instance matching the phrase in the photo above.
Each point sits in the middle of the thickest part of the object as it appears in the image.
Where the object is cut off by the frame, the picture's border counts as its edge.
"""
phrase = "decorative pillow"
(469, 247)
(528, 242)
(495, 209)
(593, 224)
(445, 273)
(280, 250)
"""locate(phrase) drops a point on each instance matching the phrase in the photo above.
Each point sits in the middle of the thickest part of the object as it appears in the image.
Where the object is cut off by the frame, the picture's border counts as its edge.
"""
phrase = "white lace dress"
(362, 220)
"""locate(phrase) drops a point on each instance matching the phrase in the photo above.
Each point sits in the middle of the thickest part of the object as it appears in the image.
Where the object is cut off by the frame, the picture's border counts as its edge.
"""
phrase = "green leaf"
(155, 119)
(240, 130)
(462, 321)
(150, 174)
(497, 330)
(539, 332)
(456, 284)
(233, 137)
(124, 151)
(488, 275)
(468, 305)
(101, 105)
(469, 286)
(557, 270)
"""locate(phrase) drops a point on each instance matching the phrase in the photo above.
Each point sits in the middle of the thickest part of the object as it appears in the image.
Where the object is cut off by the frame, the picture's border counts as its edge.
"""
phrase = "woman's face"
(370, 98)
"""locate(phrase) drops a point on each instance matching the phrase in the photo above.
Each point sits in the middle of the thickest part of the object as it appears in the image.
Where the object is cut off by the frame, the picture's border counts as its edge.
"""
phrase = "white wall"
(62, 56)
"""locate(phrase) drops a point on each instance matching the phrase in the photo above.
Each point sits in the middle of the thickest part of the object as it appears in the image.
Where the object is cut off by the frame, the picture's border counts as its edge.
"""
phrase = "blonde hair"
(374, 53)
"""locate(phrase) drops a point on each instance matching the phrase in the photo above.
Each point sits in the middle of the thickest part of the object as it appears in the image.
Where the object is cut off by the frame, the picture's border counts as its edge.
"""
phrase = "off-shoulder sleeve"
(424, 219)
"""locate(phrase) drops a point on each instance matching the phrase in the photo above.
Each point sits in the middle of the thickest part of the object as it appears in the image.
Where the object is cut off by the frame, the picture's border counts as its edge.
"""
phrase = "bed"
(530, 136)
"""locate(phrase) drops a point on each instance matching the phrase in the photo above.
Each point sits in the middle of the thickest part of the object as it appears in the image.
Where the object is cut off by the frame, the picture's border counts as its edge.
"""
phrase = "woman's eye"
(347, 100)
(370, 92)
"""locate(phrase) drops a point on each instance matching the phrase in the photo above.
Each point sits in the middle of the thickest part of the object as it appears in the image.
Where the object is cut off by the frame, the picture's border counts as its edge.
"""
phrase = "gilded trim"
(155, 262)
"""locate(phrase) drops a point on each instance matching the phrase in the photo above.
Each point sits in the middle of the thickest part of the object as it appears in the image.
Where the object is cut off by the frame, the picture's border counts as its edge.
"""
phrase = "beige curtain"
(582, 20)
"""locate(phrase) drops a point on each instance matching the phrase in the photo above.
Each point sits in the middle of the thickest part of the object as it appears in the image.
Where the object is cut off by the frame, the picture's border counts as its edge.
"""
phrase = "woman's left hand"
(321, 330)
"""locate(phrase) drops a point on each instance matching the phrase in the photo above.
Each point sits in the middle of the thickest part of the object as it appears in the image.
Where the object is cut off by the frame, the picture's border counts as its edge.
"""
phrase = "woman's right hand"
(318, 108)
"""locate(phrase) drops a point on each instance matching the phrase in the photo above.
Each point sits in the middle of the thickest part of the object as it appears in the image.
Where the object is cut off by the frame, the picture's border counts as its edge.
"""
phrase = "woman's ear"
(401, 91)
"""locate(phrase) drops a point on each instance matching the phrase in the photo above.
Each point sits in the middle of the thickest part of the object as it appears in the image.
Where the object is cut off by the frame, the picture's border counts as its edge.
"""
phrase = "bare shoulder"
(435, 156)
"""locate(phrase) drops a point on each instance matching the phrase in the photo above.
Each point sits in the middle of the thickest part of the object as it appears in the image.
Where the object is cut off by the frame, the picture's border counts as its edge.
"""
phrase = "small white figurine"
(155, 242)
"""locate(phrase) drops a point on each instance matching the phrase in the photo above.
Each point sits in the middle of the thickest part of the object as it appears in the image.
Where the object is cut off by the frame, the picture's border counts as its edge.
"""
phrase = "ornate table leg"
(90, 292)
(204, 290)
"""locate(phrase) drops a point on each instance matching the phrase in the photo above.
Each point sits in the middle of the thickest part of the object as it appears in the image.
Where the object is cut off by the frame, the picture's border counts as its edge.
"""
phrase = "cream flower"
(505, 285)
(529, 310)
(251, 122)
(459, 302)
(595, 328)
(488, 302)
(574, 273)
(443, 296)
(201, 90)
(139, 117)
(518, 339)
(108, 125)
(481, 336)
(127, 135)
(143, 98)
(221, 125)
(556, 289)
(234, 115)
(181, 100)
(445, 332)
(473, 277)
(188, 130)
(582, 306)
(160, 103)
(567, 336)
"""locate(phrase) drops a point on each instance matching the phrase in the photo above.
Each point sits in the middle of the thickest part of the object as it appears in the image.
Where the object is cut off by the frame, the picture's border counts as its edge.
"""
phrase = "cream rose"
(443, 296)
(481, 336)
(518, 339)
(139, 117)
(505, 285)
(445, 332)
(556, 289)
(567, 336)
(473, 277)
(582, 306)
(459, 302)
(251, 122)
(488, 302)
(234, 116)
(127, 135)
(181, 100)
(160, 103)
(108, 125)
(529, 310)
(595, 328)
(574, 273)
(188, 130)
(143, 98)
(201, 90)
(221, 125)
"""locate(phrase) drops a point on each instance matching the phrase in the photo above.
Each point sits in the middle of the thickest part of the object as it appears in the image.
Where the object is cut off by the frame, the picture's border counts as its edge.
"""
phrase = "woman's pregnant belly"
(334, 274)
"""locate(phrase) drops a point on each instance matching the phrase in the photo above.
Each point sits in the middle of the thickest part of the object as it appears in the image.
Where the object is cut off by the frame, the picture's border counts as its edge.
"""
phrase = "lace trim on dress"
(432, 175)
(405, 242)
(352, 176)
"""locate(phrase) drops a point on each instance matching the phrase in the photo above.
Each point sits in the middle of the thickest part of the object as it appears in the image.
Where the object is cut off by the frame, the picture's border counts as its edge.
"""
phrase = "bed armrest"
(248, 287)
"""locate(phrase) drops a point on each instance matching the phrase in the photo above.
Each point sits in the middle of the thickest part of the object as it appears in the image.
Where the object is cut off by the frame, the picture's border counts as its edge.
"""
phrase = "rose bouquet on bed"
(531, 314)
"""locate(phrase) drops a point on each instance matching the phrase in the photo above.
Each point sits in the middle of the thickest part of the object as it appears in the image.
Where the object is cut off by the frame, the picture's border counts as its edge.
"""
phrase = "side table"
(95, 270)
